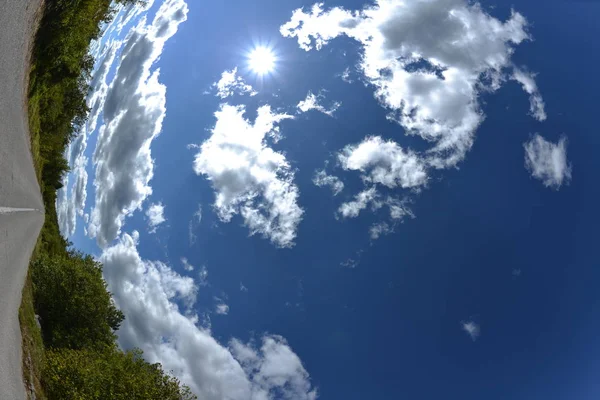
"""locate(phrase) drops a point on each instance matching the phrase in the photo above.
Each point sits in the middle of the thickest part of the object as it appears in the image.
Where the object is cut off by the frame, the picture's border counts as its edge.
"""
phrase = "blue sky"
(403, 207)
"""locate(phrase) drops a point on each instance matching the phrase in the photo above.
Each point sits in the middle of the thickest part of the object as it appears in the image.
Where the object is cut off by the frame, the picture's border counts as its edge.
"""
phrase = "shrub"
(72, 300)
(109, 374)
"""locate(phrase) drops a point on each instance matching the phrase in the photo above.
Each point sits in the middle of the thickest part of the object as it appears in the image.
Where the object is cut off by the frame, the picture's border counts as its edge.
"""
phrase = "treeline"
(79, 320)
(76, 355)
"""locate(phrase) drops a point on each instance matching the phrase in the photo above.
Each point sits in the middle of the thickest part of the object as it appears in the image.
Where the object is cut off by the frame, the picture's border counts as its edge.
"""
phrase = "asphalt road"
(21, 206)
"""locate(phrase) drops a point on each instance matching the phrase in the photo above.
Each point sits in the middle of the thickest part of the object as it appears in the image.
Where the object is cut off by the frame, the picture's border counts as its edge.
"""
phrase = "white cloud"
(427, 60)
(132, 11)
(249, 177)
(231, 83)
(312, 102)
(243, 288)
(385, 163)
(322, 179)
(203, 276)
(68, 206)
(133, 113)
(65, 210)
(275, 369)
(186, 264)
(221, 308)
(148, 292)
(472, 329)
(193, 224)
(398, 210)
(378, 229)
(155, 214)
(536, 103)
(547, 161)
(349, 263)
(351, 209)
(345, 75)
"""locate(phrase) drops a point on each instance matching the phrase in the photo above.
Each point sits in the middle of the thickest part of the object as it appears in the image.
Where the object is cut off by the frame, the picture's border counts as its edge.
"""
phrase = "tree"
(72, 299)
(108, 374)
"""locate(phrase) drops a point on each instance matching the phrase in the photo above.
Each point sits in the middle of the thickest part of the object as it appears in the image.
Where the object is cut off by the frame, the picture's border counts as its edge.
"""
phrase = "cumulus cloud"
(155, 214)
(68, 206)
(134, 109)
(472, 329)
(322, 179)
(384, 162)
(231, 83)
(426, 59)
(547, 161)
(65, 210)
(149, 294)
(248, 176)
(536, 103)
(313, 102)
(270, 366)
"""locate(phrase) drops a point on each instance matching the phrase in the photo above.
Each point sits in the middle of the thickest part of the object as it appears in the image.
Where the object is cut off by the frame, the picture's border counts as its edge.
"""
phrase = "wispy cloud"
(193, 225)
(313, 102)
(186, 264)
(322, 179)
(536, 103)
(231, 84)
(547, 161)
(472, 328)
(155, 215)
(221, 308)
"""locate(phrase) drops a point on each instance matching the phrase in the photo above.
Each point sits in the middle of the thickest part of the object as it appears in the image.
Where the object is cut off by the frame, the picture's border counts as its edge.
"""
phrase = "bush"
(72, 300)
(110, 374)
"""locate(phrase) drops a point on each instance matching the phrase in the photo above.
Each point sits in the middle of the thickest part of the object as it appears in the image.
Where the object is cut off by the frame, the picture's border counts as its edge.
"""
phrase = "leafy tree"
(72, 300)
(108, 374)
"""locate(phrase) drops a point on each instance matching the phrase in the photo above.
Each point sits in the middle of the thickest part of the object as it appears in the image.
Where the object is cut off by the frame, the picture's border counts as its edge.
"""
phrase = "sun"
(262, 60)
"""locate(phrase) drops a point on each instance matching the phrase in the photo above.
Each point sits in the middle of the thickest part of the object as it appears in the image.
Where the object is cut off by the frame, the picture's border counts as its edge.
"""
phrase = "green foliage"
(58, 82)
(110, 374)
(76, 309)
(64, 287)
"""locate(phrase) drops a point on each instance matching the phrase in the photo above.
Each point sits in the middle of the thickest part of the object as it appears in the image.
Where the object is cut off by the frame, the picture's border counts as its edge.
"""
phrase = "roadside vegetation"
(68, 317)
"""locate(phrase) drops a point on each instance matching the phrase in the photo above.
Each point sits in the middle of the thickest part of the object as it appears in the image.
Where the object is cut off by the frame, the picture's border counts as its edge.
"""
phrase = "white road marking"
(10, 210)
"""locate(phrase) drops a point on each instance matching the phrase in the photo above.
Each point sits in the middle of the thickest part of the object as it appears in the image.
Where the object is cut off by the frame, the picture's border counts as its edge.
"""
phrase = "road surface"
(21, 215)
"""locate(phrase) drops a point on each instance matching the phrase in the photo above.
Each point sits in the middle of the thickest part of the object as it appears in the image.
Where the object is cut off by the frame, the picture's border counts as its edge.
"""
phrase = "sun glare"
(261, 60)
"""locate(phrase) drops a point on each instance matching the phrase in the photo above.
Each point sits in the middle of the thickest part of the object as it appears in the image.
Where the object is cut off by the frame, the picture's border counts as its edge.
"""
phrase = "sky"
(348, 200)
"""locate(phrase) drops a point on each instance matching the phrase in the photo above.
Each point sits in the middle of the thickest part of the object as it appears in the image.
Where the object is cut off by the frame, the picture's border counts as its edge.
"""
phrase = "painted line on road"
(10, 210)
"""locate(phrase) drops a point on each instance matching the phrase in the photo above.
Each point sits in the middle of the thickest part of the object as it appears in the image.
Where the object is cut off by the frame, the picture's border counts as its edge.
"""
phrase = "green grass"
(33, 345)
